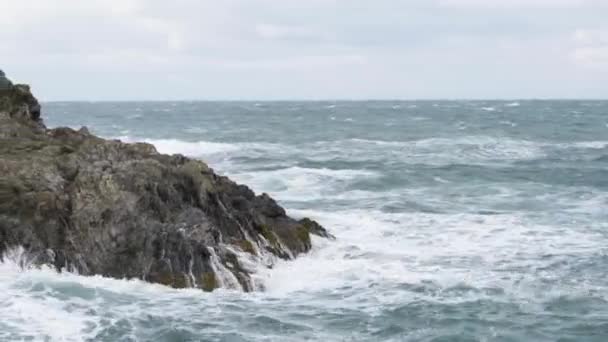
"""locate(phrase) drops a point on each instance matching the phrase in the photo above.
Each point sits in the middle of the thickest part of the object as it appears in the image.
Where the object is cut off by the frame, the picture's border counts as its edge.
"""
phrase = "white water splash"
(224, 277)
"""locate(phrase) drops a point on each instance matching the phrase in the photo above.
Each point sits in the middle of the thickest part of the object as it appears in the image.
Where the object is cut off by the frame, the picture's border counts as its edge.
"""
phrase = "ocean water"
(455, 221)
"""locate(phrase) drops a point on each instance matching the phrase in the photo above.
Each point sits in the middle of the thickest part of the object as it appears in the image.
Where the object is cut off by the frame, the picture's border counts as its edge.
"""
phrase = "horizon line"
(330, 100)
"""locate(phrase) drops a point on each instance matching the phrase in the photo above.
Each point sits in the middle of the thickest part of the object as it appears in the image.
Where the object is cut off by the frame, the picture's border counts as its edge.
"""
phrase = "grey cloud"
(314, 48)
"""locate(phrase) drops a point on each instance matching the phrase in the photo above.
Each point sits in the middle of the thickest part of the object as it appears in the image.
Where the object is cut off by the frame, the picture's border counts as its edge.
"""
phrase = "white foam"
(432, 151)
(298, 183)
(512, 104)
(196, 130)
(199, 148)
(205, 149)
(508, 123)
(591, 144)
(413, 248)
(466, 149)
(224, 277)
(40, 304)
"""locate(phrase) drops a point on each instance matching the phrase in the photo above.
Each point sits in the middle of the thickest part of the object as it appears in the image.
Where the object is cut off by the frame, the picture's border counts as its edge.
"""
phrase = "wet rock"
(95, 206)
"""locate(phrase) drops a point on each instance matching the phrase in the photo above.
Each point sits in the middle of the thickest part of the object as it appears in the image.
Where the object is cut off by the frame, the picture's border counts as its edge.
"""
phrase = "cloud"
(592, 57)
(591, 36)
(591, 49)
(501, 4)
(286, 32)
(314, 48)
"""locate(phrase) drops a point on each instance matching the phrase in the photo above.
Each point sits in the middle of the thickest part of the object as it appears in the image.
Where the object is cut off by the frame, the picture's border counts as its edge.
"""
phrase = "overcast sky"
(306, 49)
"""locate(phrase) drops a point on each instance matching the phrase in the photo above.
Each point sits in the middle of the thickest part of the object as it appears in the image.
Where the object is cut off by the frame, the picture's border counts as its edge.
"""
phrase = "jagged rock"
(81, 203)
(5, 83)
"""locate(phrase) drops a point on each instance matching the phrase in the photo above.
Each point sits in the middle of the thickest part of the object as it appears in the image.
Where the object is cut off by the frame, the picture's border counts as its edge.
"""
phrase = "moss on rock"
(269, 235)
(208, 281)
(303, 235)
(247, 246)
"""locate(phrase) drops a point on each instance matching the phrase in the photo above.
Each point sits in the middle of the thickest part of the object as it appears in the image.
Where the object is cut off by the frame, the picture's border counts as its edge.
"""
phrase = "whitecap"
(192, 149)
(299, 183)
(512, 104)
(431, 151)
(196, 130)
(508, 123)
(419, 118)
(590, 144)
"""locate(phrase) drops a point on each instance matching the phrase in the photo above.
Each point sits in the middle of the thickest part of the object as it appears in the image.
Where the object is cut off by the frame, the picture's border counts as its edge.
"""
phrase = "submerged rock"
(94, 206)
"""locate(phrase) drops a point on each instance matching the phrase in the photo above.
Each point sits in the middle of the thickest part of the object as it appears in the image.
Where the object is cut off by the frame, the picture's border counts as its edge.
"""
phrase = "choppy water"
(456, 221)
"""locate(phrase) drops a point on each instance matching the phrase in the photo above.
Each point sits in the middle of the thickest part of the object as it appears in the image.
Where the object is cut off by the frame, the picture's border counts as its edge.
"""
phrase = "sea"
(454, 221)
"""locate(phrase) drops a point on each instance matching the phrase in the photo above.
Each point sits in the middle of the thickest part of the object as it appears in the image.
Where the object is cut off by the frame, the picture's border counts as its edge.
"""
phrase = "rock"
(5, 83)
(94, 206)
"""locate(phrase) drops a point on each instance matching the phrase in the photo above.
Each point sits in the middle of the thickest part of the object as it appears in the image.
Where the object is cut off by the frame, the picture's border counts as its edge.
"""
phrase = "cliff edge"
(84, 204)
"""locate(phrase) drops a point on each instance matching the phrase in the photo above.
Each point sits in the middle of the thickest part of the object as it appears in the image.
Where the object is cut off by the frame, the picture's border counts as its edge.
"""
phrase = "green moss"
(307, 223)
(247, 246)
(303, 235)
(269, 235)
(178, 281)
(208, 281)
(165, 278)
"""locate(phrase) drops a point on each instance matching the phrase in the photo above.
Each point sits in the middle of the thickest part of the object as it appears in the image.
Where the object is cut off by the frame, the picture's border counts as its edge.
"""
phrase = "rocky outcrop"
(5, 83)
(94, 206)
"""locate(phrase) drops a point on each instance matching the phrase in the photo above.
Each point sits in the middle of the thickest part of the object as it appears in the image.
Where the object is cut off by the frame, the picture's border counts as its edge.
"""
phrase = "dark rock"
(5, 83)
(95, 206)
(314, 228)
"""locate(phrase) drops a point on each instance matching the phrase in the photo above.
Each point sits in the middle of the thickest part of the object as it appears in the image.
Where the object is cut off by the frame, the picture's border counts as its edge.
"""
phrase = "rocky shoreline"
(93, 206)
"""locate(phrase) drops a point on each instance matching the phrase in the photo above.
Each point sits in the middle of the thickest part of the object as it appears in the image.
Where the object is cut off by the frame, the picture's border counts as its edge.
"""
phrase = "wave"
(589, 144)
(194, 149)
(299, 183)
(467, 149)
(375, 247)
(512, 104)
(195, 130)
(474, 149)
(508, 123)
(202, 148)
(41, 303)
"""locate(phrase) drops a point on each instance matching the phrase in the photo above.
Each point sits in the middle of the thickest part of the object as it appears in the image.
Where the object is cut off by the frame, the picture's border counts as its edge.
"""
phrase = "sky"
(306, 49)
